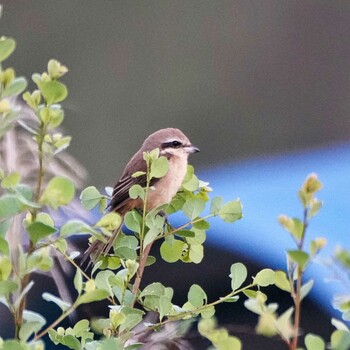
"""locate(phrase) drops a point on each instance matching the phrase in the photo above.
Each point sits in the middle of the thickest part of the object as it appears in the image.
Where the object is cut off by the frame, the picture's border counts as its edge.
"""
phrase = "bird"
(172, 144)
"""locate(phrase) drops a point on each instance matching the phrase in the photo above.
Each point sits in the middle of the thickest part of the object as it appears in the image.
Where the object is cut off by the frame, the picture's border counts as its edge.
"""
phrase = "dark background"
(241, 78)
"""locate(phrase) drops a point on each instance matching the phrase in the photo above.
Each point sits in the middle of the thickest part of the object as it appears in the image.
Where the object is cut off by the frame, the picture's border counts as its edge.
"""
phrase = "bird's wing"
(120, 194)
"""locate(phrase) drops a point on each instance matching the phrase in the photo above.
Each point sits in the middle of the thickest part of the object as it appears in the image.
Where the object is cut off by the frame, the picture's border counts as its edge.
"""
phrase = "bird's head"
(171, 142)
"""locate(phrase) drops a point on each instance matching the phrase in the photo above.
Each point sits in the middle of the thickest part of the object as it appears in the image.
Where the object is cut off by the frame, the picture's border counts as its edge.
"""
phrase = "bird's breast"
(166, 188)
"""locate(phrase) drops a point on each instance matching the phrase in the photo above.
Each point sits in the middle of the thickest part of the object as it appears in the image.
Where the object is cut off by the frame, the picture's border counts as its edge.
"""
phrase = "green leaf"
(138, 174)
(282, 281)
(208, 312)
(61, 245)
(24, 195)
(306, 288)
(229, 343)
(70, 341)
(238, 275)
(193, 207)
(159, 167)
(39, 260)
(251, 294)
(176, 204)
(231, 211)
(33, 322)
(185, 233)
(339, 325)
(265, 278)
(133, 221)
(63, 305)
(14, 345)
(196, 253)
(59, 191)
(218, 336)
(102, 281)
(7, 287)
(7, 46)
(4, 246)
(230, 299)
(5, 268)
(4, 226)
(132, 318)
(102, 205)
(172, 252)
(111, 344)
(33, 100)
(165, 306)
(340, 340)
(216, 205)
(125, 246)
(191, 184)
(53, 91)
(38, 231)
(9, 206)
(117, 318)
(299, 257)
(315, 208)
(90, 197)
(78, 281)
(111, 221)
(73, 227)
(45, 219)
(150, 260)
(11, 180)
(314, 342)
(152, 155)
(55, 69)
(267, 324)
(196, 296)
(150, 237)
(94, 295)
(293, 225)
(109, 262)
(137, 191)
(131, 267)
(16, 87)
(284, 324)
(152, 289)
(62, 143)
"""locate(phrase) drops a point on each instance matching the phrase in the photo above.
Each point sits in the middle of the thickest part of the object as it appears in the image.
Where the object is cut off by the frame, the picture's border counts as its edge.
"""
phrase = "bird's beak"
(191, 149)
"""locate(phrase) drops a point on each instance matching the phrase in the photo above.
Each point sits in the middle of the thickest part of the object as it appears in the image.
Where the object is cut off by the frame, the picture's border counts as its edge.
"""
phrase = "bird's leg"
(166, 221)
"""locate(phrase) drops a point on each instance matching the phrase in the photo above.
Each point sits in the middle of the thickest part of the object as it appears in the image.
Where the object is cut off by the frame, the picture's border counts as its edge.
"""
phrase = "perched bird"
(176, 147)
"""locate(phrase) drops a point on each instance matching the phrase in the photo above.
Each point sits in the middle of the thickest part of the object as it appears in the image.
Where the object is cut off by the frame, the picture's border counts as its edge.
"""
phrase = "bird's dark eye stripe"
(172, 144)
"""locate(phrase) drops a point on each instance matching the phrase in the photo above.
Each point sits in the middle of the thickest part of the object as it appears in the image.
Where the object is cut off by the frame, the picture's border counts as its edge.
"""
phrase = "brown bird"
(176, 147)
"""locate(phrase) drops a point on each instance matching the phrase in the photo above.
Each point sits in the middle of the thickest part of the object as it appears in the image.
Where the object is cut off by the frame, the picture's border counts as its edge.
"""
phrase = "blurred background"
(241, 78)
(262, 87)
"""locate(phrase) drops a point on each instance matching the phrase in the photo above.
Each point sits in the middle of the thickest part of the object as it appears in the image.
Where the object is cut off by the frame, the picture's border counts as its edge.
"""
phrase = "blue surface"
(268, 187)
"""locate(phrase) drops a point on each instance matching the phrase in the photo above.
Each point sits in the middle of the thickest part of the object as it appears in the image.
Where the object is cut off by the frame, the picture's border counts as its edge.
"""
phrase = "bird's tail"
(98, 248)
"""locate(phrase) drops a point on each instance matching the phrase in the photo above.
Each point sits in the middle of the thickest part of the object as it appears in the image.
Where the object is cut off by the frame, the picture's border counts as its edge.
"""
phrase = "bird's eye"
(171, 144)
(176, 144)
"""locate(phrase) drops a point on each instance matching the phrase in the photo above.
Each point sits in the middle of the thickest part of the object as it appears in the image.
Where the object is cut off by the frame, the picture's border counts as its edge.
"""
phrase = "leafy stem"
(296, 289)
(192, 222)
(41, 169)
(144, 252)
(65, 314)
(26, 278)
(195, 311)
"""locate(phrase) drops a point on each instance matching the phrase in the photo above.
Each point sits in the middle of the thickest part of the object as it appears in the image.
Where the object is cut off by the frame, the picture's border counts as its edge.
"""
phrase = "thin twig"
(296, 292)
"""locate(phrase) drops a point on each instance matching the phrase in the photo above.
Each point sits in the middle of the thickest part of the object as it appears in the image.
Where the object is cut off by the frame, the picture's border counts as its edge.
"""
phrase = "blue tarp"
(267, 187)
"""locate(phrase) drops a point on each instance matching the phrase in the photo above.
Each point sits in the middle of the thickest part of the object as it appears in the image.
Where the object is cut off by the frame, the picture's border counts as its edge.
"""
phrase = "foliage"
(116, 276)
